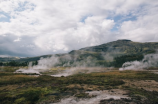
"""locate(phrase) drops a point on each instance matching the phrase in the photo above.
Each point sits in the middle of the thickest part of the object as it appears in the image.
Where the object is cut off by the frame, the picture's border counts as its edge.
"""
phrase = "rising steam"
(74, 65)
(150, 60)
(75, 70)
(44, 64)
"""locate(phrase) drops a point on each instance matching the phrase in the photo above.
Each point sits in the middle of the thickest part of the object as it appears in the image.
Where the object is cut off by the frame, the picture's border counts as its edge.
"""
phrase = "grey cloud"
(20, 48)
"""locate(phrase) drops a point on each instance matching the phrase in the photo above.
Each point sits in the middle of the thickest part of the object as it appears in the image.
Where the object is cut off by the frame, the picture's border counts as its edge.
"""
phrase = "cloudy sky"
(38, 27)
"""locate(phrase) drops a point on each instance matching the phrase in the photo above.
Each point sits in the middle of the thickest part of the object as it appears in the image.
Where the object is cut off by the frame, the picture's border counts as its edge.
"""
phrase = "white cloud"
(62, 25)
(145, 28)
(94, 31)
(2, 16)
(17, 40)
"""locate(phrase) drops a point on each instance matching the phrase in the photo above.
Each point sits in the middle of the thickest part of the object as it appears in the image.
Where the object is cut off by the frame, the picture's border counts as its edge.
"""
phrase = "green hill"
(124, 47)
(115, 53)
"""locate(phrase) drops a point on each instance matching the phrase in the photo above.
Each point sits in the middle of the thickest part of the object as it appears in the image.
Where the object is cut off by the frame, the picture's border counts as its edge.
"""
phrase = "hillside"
(114, 53)
(105, 54)
(124, 47)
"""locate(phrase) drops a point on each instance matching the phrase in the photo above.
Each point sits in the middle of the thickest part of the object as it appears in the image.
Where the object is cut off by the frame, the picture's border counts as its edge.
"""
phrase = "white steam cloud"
(72, 62)
(150, 60)
(44, 64)
(75, 70)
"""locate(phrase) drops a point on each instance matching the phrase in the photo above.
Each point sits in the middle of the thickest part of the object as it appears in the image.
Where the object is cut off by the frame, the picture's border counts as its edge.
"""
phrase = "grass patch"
(28, 89)
(9, 68)
(151, 97)
(14, 79)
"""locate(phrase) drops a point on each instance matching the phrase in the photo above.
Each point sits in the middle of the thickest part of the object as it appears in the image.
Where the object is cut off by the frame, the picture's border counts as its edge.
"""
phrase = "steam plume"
(44, 64)
(150, 60)
(87, 65)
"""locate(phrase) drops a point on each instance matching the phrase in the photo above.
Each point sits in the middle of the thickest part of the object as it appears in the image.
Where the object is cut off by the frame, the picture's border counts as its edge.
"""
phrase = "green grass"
(8, 68)
(26, 89)
(151, 97)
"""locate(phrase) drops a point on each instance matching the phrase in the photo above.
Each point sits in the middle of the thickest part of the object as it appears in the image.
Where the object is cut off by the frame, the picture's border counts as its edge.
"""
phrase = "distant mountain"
(103, 54)
(124, 47)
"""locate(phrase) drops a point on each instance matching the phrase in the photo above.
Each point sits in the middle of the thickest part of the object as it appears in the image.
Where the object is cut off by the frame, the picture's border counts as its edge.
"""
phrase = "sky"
(39, 27)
